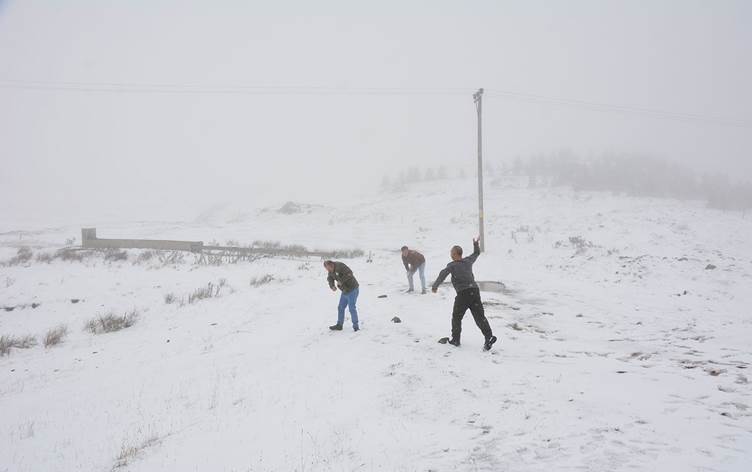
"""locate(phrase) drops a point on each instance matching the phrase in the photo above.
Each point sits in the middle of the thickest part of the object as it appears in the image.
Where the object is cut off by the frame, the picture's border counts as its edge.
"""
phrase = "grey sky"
(179, 135)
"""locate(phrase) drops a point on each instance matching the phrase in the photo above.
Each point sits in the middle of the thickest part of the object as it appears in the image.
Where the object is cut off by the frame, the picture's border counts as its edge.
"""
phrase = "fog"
(143, 110)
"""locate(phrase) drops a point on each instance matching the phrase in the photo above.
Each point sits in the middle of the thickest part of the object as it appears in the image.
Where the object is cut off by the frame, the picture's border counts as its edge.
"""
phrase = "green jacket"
(344, 277)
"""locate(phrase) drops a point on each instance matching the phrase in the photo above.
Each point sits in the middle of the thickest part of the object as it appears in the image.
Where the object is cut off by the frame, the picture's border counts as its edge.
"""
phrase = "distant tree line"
(632, 175)
(412, 175)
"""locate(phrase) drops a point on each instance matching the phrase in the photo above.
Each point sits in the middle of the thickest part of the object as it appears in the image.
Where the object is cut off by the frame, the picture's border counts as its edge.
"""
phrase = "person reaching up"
(468, 294)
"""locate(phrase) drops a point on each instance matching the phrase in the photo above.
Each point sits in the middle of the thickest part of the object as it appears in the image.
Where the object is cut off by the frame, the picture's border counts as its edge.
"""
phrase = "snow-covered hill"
(625, 333)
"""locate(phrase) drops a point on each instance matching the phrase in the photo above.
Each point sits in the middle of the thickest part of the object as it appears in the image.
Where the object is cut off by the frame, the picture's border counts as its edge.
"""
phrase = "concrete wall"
(89, 240)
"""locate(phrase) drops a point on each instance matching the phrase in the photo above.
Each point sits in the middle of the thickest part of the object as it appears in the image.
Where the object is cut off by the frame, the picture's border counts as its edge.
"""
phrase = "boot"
(489, 342)
(356, 328)
(337, 327)
(454, 342)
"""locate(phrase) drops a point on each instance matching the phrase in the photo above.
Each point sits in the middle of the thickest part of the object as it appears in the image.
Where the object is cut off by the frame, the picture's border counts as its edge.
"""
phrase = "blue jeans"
(348, 300)
(421, 273)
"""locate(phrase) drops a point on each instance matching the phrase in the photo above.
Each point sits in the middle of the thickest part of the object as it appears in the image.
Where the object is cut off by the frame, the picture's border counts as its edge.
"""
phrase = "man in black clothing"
(468, 294)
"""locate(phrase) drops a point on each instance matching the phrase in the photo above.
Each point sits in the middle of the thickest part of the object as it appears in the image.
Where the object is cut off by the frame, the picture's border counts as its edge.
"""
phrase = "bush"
(145, 257)
(111, 322)
(45, 257)
(172, 257)
(115, 255)
(348, 253)
(70, 255)
(266, 244)
(290, 208)
(263, 280)
(170, 298)
(129, 452)
(9, 342)
(55, 336)
(579, 243)
(204, 292)
(23, 256)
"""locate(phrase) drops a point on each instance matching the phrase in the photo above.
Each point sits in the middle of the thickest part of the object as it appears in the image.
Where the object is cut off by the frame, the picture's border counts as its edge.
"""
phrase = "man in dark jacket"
(346, 282)
(468, 294)
(414, 261)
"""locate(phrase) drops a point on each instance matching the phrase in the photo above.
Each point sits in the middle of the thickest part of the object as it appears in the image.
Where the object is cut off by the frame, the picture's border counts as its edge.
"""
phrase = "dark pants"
(469, 298)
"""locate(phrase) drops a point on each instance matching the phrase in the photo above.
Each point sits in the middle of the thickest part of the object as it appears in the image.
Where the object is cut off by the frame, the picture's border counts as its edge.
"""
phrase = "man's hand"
(476, 240)
(434, 289)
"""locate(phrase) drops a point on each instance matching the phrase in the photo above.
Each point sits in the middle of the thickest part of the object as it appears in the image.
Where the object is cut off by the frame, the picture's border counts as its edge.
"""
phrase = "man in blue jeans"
(348, 284)
(414, 262)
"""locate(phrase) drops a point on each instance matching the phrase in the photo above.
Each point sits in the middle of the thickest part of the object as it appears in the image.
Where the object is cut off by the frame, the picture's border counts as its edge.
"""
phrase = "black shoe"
(423, 292)
(355, 328)
(409, 290)
(337, 327)
(489, 342)
(454, 342)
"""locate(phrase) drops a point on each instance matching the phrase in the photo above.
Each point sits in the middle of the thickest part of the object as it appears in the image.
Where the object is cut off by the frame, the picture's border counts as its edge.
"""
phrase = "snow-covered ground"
(620, 349)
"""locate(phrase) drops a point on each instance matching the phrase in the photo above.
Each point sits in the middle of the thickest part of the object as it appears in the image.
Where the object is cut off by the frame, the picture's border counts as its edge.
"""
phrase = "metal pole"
(478, 98)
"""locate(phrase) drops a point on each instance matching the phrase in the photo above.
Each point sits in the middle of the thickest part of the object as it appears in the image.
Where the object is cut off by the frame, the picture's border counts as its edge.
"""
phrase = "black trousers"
(469, 298)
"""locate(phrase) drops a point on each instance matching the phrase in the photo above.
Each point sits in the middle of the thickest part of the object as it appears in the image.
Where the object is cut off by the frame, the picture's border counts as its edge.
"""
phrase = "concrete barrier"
(89, 240)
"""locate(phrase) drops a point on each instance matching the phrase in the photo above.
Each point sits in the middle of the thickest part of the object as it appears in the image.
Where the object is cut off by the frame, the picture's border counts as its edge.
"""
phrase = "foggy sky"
(176, 134)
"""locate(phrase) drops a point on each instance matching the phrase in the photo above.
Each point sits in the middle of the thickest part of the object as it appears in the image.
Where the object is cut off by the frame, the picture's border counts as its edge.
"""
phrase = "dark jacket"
(344, 277)
(413, 260)
(462, 272)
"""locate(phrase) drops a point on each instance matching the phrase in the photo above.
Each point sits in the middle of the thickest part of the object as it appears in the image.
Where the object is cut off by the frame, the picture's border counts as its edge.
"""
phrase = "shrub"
(144, 257)
(5, 345)
(170, 298)
(55, 336)
(115, 255)
(263, 280)
(23, 256)
(204, 292)
(9, 342)
(172, 257)
(110, 322)
(267, 244)
(45, 257)
(130, 452)
(290, 208)
(348, 253)
(579, 243)
(69, 255)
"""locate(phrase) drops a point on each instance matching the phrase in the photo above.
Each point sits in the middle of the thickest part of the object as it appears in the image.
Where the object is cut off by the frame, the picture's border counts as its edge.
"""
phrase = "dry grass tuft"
(9, 342)
(210, 291)
(55, 336)
(263, 280)
(129, 452)
(110, 322)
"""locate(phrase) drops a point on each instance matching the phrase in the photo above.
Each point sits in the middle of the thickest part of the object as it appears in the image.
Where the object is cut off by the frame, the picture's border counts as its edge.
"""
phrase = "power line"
(225, 89)
(276, 90)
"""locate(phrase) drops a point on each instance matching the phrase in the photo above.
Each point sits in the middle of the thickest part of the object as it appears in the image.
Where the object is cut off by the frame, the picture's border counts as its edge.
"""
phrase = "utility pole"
(478, 99)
